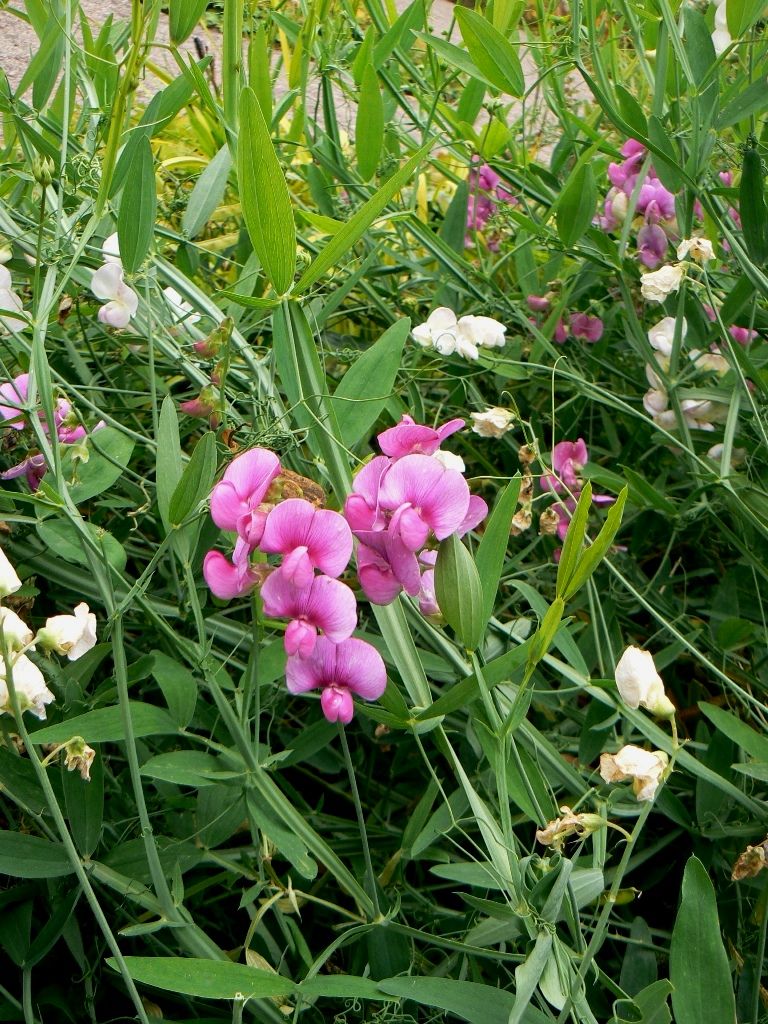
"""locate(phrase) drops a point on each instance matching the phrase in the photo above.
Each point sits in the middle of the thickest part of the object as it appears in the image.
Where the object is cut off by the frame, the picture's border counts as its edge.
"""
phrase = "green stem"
(372, 889)
(232, 60)
(26, 996)
(760, 958)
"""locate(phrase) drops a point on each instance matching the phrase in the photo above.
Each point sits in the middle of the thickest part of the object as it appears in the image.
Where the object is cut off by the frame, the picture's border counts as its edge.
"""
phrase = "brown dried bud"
(521, 521)
(549, 520)
(291, 485)
(525, 497)
(751, 862)
(526, 453)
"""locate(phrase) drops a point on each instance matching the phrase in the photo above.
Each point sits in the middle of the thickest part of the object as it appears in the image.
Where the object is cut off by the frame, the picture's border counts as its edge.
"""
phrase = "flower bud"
(640, 685)
(42, 170)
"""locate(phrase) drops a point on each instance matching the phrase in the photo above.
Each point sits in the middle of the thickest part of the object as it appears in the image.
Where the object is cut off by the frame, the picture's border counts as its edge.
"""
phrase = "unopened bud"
(42, 170)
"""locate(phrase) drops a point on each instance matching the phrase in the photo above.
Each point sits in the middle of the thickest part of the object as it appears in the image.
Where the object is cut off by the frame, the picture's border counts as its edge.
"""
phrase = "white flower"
(699, 249)
(9, 303)
(440, 325)
(721, 40)
(662, 334)
(73, 635)
(658, 284)
(29, 683)
(713, 361)
(449, 460)
(110, 250)
(483, 331)
(494, 422)
(464, 337)
(179, 307)
(107, 284)
(640, 685)
(9, 581)
(644, 767)
(655, 402)
(14, 632)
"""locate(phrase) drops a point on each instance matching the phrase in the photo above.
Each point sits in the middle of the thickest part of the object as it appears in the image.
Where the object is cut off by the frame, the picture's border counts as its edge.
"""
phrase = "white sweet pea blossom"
(110, 250)
(662, 335)
(9, 303)
(640, 685)
(29, 684)
(494, 422)
(721, 37)
(9, 581)
(73, 635)
(711, 361)
(448, 334)
(180, 308)
(645, 767)
(14, 632)
(121, 301)
(699, 249)
(449, 460)
(658, 284)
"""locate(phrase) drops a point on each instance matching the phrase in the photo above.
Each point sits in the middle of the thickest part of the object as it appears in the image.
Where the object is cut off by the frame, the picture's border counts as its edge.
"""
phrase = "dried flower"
(645, 767)
(494, 422)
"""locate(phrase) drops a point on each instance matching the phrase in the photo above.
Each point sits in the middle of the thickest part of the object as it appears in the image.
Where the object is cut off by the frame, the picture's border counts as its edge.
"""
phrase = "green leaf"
(456, 56)
(748, 739)
(698, 963)
(207, 194)
(169, 465)
(591, 558)
(206, 979)
(478, 1004)
(358, 224)
(750, 101)
(367, 385)
(178, 685)
(363, 56)
(400, 34)
(259, 77)
(492, 549)
(24, 856)
(666, 159)
(742, 14)
(85, 805)
(183, 767)
(631, 110)
(196, 480)
(138, 208)
(492, 52)
(577, 204)
(264, 195)
(183, 16)
(459, 592)
(369, 124)
(110, 452)
(65, 539)
(105, 725)
(752, 207)
(574, 540)
(286, 841)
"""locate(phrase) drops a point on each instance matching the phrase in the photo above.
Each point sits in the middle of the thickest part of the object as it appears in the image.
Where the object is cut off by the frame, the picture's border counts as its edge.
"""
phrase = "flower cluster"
(582, 325)
(655, 205)
(315, 544)
(464, 336)
(13, 396)
(73, 635)
(486, 192)
(568, 460)
(401, 502)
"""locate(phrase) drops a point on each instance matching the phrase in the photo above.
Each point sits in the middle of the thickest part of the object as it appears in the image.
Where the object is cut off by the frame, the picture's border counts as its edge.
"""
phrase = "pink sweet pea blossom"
(409, 437)
(237, 498)
(325, 604)
(340, 670)
(588, 327)
(226, 580)
(33, 468)
(743, 335)
(561, 332)
(309, 538)
(652, 243)
(14, 393)
(377, 578)
(568, 459)
(423, 495)
(538, 303)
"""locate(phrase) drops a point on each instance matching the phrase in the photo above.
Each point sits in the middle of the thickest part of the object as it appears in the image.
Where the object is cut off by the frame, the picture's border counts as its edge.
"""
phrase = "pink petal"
(337, 705)
(15, 393)
(325, 535)
(251, 474)
(297, 567)
(439, 495)
(300, 638)
(360, 667)
(368, 480)
(224, 579)
(226, 506)
(326, 604)
(476, 513)
(379, 583)
(408, 525)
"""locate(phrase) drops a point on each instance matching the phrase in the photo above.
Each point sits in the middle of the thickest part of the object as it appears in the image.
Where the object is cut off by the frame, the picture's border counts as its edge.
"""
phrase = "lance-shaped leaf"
(264, 196)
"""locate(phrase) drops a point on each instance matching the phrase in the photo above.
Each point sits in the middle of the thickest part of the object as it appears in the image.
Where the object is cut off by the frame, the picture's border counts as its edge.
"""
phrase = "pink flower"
(33, 468)
(655, 201)
(325, 604)
(236, 498)
(588, 327)
(742, 335)
(409, 437)
(561, 332)
(377, 578)
(652, 244)
(423, 495)
(361, 508)
(14, 392)
(477, 510)
(309, 538)
(226, 580)
(538, 303)
(340, 670)
(568, 459)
